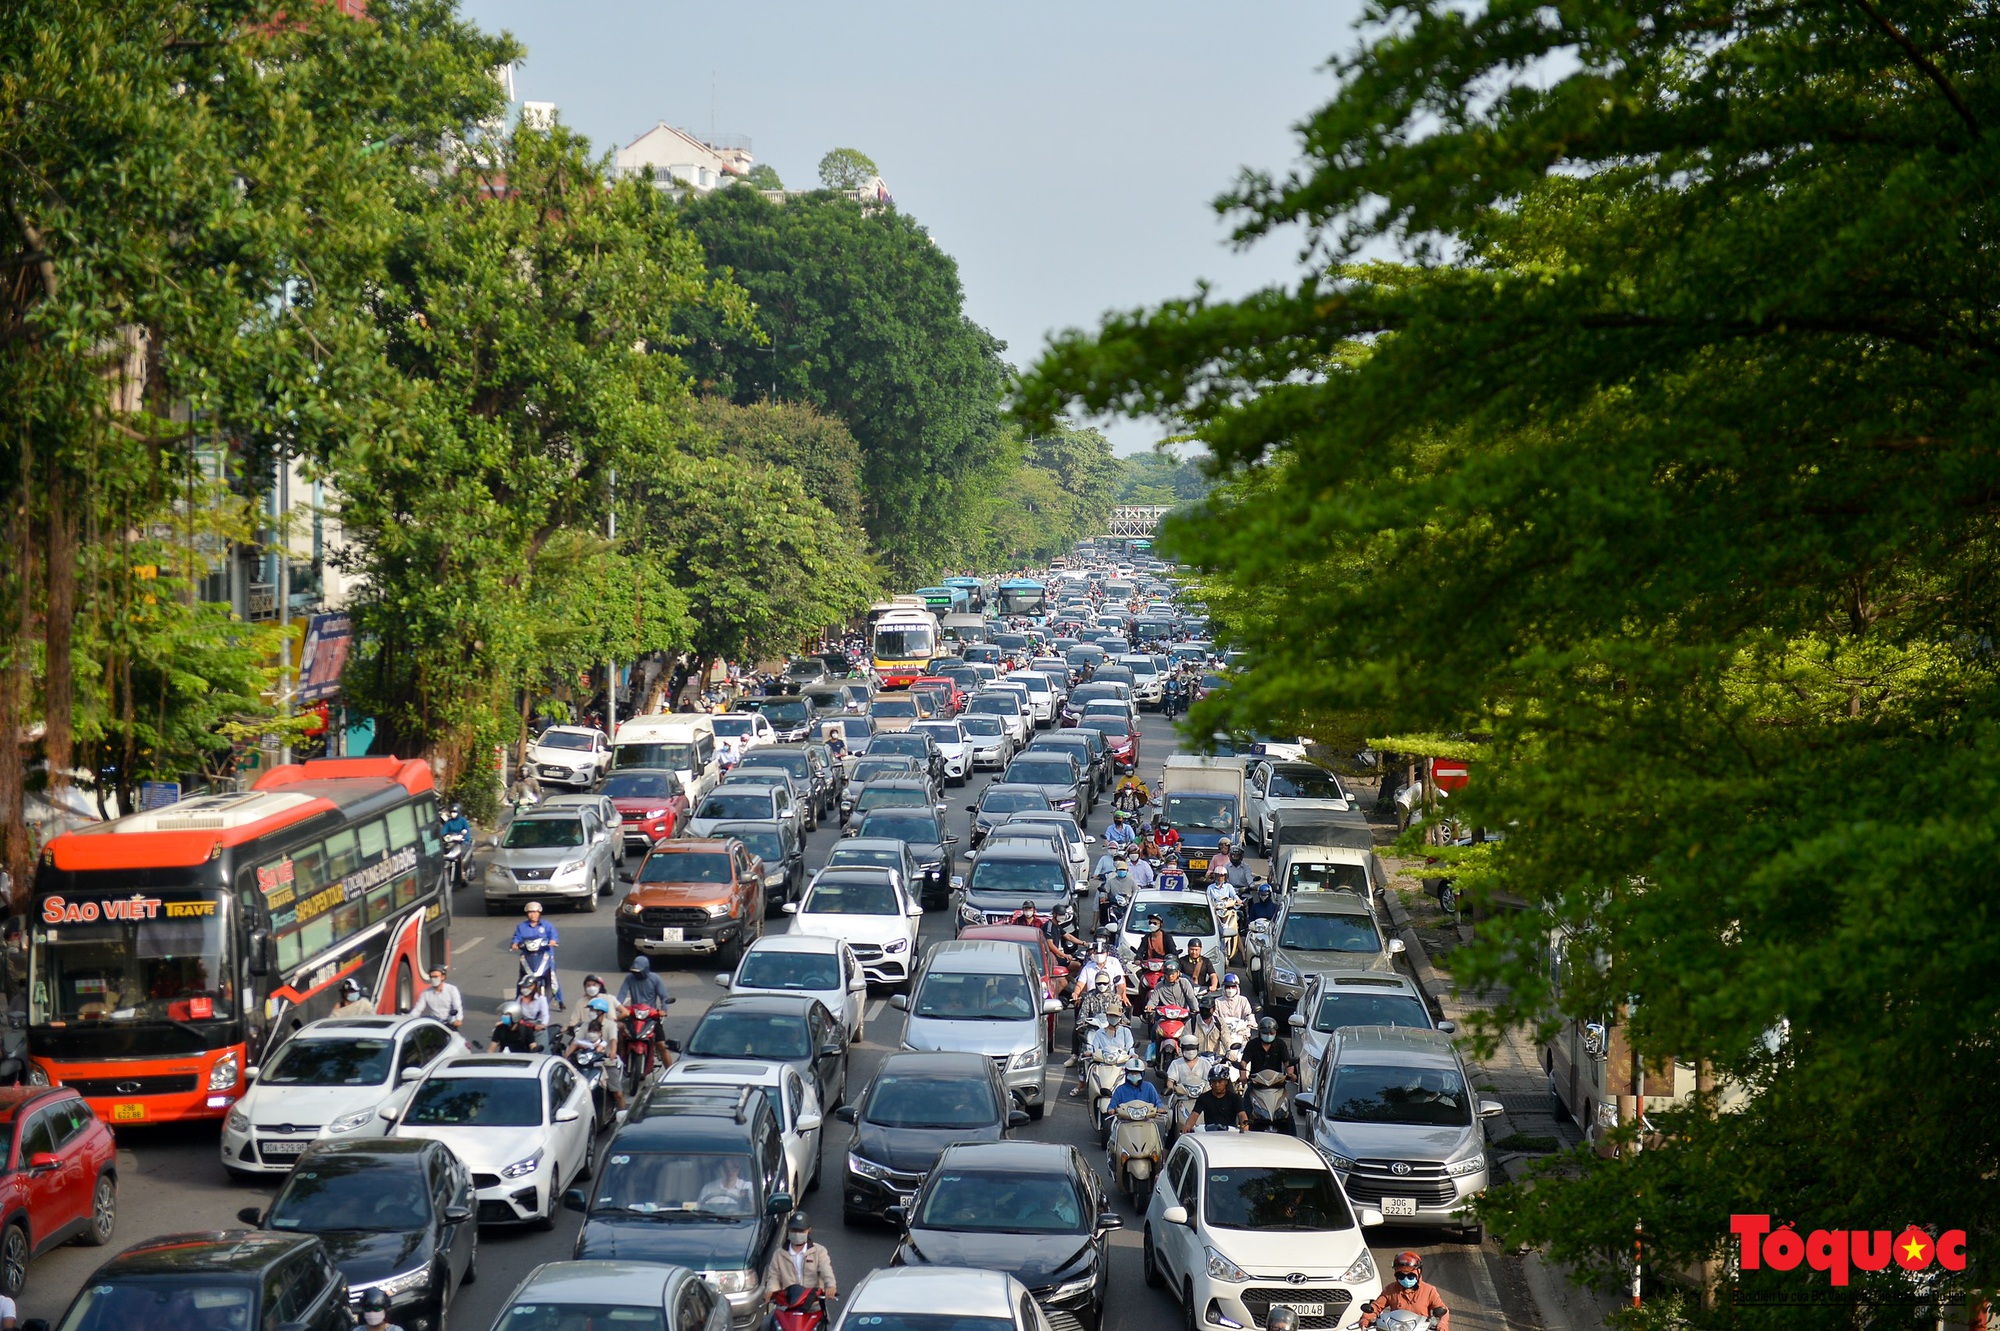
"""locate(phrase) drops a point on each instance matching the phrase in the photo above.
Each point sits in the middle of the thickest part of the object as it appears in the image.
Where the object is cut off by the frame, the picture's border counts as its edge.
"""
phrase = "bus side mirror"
(260, 952)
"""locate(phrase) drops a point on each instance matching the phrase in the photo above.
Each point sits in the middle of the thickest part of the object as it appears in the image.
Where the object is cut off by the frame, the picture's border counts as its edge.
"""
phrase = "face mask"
(1230, 989)
(374, 1319)
(801, 1241)
(1267, 1039)
(1132, 1079)
(593, 990)
(1407, 1281)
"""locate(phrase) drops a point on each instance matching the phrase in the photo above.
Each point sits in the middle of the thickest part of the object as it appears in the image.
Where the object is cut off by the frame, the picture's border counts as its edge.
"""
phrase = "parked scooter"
(1136, 1148)
(1269, 1108)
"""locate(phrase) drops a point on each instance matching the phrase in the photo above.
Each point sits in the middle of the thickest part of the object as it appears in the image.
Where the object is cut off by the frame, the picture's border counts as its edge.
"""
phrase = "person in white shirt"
(1101, 963)
(1142, 873)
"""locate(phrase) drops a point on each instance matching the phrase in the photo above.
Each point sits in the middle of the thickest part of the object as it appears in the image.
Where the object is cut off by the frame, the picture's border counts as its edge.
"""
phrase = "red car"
(1122, 736)
(650, 803)
(61, 1181)
(953, 693)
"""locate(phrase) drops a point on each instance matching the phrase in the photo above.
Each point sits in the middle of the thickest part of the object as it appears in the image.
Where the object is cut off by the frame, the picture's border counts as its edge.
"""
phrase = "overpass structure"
(1136, 519)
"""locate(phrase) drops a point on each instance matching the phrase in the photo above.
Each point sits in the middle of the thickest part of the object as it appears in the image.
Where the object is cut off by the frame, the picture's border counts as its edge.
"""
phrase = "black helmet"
(1282, 1317)
(1236, 854)
(1267, 1026)
(375, 1301)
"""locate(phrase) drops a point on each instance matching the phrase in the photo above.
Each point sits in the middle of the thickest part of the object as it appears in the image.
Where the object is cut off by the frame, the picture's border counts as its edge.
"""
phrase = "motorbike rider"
(593, 985)
(1135, 1087)
(1102, 963)
(1186, 1077)
(1233, 1006)
(1101, 999)
(800, 1261)
(456, 824)
(1270, 1052)
(534, 1005)
(375, 1311)
(1110, 1038)
(1156, 945)
(1120, 834)
(1165, 835)
(1172, 991)
(1200, 971)
(1236, 878)
(354, 1002)
(1220, 1106)
(511, 1034)
(1132, 795)
(595, 1028)
(534, 929)
(1263, 905)
(1408, 1291)
(1028, 915)
(442, 1000)
(642, 988)
(1143, 873)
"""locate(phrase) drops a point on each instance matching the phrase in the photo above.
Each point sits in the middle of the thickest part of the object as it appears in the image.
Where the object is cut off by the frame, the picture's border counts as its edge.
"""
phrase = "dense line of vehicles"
(398, 1136)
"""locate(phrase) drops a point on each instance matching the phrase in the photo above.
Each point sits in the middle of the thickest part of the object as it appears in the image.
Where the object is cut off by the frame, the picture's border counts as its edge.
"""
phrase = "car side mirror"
(941, 806)
(846, 1113)
(388, 1112)
(951, 841)
(972, 808)
(778, 1203)
(250, 1074)
(1018, 1118)
(1304, 1100)
(809, 1122)
(1175, 1215)
(895, 1215)
(1396, 948)
(1448, 1027)
(831, 1049)
(1050, 1007)
(916, 911)
(1110, 1220)
(1089, 840)
(1491, 1109)
(457, 1215)
(412, 1073)
(573, 1200)
(567, 1114)
(251, 1216)
(1369, 1217)
(790, 908)
(723, 979)
(900, 1002)
(1298, 1021)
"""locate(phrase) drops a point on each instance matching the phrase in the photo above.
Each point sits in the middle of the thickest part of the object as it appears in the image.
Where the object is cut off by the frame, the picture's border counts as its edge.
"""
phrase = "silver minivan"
(981, 996)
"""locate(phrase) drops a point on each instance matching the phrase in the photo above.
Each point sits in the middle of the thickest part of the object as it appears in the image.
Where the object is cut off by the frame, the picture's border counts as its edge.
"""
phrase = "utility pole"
(611, 667)
(284, 581)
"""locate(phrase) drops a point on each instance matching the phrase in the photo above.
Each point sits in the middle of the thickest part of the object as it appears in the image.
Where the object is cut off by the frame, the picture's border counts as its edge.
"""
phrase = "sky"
(1066, 154)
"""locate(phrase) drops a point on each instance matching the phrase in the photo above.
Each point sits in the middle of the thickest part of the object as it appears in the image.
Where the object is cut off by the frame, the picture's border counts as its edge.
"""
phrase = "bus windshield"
(156, 967)
(905, 642)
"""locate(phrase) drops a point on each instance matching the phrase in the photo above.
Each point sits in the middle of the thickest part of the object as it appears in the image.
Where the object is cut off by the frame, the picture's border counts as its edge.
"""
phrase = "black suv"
(708, 1159)
(225, 1278)
(810, 773)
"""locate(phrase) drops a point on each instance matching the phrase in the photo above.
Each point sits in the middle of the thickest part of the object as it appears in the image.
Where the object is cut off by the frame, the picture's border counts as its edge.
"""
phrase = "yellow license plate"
(1197, 864)
(127, 1113)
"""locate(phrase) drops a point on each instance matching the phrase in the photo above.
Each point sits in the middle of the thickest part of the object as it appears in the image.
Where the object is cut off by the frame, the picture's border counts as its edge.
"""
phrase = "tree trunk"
(16, 854)
(59, 677)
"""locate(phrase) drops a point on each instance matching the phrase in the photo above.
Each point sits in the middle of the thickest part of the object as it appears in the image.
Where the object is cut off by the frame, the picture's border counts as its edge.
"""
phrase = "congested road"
(172, 1180)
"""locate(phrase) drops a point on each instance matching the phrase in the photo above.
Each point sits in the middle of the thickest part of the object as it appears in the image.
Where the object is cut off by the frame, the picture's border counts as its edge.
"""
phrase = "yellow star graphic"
(1915, 1247)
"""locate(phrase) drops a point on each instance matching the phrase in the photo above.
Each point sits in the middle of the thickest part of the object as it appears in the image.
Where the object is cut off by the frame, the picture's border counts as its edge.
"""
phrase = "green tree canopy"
(860, 315)
(1160, 478)
(792, 435)
(846, 169)
(1679, 482)
(763, 176)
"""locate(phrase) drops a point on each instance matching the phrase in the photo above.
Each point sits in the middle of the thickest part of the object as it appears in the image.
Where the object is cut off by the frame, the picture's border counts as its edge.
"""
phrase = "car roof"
(13, 1099)
(1258, 1148)
(855, 873)
(1340, 901)
(1394, 1044)
(775, 1004)
(879, 843)
(900, 782)
(981, 955)
(206, 1252)
(570, 730)
(371, 1148)
(999, 846)
(633, 1284)
(1384, 981)
(693, 1115)
(1013, 788)
(709, 843)
(1013, 1155)
(356, 1027)
(492, 1065)
(736, 826)
(794, 943)
(952, 1290)
(702, 1070)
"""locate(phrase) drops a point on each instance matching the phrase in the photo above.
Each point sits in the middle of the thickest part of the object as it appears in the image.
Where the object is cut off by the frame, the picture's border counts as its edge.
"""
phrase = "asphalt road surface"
(171, 1180)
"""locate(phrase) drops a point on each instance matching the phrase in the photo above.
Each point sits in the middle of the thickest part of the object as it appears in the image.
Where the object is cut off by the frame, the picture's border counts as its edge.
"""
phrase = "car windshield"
(994, 1201)
(985, 726)
(738, 804)
(893, 707)
(784, 713)
(976, 996)
(1284, 1199)
(772, 969)
(639, 786)
(1346, 1008)
(996, 704)
(543, 833)
(1330, 933)
(900, 827)
(766, 846)
(330, 1063)
(910, 746)
(187, 1301)
(1034, 877)
(324, 1195)
(1305, 783)
(676, 757)
(837, 897)
(1205, 813)
(558, 739)
(685, 866)
(1427, 1097)
(735, 727)
(1046, 772)
(1012, 801)
(1112, 727)
(900, 1100)
(476, 1102)
(680, 1184)
(532, 1316)
(1305, 877)
(864, 858)
(891, 797)
(733, 1033)
(944, 732)
(1176, 917)
(174, 966)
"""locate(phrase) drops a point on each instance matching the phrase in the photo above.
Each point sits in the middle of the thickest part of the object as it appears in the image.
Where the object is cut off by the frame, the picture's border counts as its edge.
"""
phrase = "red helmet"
(1408, 1261)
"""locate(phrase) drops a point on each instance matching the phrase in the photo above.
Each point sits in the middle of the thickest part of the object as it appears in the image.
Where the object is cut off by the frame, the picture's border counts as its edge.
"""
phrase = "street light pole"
(611, 667)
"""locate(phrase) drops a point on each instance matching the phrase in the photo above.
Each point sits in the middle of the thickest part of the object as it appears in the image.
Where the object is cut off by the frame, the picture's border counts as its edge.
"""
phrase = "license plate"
(282, 1148)
(1309, 1309)
(670, 934)
(1399, 1206)
(128, 1113)
(1197, 864)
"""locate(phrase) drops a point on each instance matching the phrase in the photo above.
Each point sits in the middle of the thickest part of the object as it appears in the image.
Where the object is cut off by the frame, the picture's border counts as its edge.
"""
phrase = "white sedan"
(329, 1079)
(869, 909)
(791, 1096)
(522, 1123)
(818, 967)
(954, 746)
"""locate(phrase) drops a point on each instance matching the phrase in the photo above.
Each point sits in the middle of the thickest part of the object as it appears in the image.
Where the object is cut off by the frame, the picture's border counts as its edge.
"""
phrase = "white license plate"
(1309, 1309)
(1399, 1206)
(282, 1148)
(670, 934)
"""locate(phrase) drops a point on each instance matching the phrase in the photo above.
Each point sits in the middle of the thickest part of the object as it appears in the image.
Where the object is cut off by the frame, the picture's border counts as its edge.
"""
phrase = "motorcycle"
(592, 1067)
(1136, 1148)
(796, 1308)
(1228, 923)
(1268, 1107)
(1259, 945)
(1102, 1078)
(458, 859)
(640, 1038)
(1402, 1319)
(1169, 1020)
(538, 963)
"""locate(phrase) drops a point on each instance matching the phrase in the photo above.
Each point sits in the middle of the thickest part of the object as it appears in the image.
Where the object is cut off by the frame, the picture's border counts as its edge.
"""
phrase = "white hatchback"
(574, 756)
(1240, 1221)
(796, 963)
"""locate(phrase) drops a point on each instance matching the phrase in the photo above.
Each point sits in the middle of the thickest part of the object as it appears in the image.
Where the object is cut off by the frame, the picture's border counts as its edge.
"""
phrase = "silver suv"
(1393, 1112)
(551, 855)
(1320, 932)
(982, 996)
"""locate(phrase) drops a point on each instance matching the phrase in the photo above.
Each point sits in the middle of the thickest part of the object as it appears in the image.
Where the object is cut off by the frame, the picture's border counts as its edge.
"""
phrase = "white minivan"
(681, 742)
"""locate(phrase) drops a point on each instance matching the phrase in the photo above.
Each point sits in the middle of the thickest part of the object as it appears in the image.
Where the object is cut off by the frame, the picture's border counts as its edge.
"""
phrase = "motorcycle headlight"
(238, 1121)
(523, 1168)
(1362, 1272)
(1472, 1164)
(351, 1122)
(224, 1074)
(732, 1282)
(1221, 1268)
(896, 945)
(404, 1283)
(865, 1167)
(1027, 1058)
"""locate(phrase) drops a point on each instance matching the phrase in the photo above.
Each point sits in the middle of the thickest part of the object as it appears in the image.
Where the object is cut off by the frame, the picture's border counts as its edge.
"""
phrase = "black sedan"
(395, 1215)
(917, 1105)
(999, 802)
(1031, 1209)
(928, 841)
(777, 1029)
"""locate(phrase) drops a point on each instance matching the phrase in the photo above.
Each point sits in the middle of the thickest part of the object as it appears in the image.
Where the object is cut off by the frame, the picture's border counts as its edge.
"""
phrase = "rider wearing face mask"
(375, 1312)
(1135, 1087)
(1269, 1051)
(1409, 1292)
(800, 1261)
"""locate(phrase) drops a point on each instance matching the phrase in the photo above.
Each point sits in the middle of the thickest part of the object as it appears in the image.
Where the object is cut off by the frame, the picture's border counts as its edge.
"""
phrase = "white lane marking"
(876, 1008)
(471, 943)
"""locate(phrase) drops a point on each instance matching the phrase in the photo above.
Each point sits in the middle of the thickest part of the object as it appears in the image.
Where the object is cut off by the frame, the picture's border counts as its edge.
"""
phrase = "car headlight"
(896, 945)
(238, 1121)
(1284, 974)
(224, 1074)
(1221, 1268)
(350, 1122)
(37, 1074)
(523, 1168)
(1472, 1164)
(732, 1282)
(1363, 1270)
(570, 870)
(971, 915)
(1067, 806)
(402, 1284)
(718, 909)
(774, 880)
(865, 1167)
(1027, 1058)
(1340, 1162)
(1070, 1289)
(630, 908)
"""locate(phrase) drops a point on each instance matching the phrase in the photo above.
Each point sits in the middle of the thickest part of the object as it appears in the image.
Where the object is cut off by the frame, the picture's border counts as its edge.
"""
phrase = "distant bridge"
(1136, 519)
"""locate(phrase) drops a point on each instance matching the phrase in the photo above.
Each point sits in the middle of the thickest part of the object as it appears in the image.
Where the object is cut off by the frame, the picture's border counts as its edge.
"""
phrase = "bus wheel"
(406, 986)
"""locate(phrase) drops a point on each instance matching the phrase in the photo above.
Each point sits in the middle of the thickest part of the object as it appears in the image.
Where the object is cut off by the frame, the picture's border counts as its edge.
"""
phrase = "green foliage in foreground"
(1680, 484)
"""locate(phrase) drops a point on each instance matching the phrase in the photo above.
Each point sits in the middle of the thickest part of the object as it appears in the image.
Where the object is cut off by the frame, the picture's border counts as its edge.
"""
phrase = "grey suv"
(1319, 932)
(550, 855)
(983, 997)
